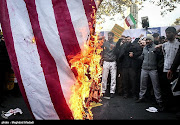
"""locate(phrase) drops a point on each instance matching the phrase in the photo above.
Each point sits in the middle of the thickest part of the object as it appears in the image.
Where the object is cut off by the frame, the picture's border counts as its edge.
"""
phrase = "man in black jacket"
(129, 62)
(118, 50)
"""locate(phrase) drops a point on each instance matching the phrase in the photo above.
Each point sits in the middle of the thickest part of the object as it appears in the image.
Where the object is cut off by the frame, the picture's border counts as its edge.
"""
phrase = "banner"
(153, 30)
(117, 30)
(134, 33)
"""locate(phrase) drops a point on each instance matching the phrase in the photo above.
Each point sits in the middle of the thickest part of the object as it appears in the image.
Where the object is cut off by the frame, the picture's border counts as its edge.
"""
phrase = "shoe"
(161, 107)
(105, 97)
(112, 95)
(140, 101)
(135, 98)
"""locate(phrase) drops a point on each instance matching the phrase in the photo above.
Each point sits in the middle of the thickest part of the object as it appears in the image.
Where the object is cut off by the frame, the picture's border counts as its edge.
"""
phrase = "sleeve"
(163, 51)
(138, 51)
(176, 61)
(141, 57)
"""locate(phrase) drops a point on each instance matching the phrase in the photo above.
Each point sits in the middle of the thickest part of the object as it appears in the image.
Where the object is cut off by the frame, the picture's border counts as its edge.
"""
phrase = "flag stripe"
(53, 43)
(49, 66)
(132, 19)
(97, 2)
(29, 62)
(127, 22)
(5, 21)
(42, 68)
(79, 21)
(66, 30)
(88, 7)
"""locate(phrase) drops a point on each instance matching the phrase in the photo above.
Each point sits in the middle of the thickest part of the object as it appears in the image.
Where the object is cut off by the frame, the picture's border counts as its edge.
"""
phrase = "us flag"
(40, 35)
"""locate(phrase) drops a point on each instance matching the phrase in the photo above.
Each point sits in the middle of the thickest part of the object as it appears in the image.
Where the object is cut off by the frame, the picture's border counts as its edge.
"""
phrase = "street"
(116, 108)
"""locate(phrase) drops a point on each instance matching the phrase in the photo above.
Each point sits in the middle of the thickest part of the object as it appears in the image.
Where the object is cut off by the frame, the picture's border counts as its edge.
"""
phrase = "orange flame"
(87, 87)
(33, 40)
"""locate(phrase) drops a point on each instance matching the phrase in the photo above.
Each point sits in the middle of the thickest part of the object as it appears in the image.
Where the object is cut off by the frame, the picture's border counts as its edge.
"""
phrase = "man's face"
(143, 43)
(170, 35)
(148, 41)
(156, 38)
(123, 39)
(110, 37)
(128, 39)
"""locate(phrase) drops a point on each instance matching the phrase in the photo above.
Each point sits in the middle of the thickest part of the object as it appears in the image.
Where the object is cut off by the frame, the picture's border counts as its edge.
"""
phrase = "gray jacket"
(108, 53)
(149, 57)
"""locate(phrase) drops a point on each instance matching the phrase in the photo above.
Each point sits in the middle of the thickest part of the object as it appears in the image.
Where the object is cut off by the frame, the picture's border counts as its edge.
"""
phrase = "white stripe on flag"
(29, 62)
(97, 3)
(130, 21)
(50, 34)
(79, 21)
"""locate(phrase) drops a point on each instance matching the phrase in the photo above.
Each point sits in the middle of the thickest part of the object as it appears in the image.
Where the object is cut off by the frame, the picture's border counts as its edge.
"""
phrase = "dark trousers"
(119, 81)
(2, 84)
(168, 98)
(129, 80)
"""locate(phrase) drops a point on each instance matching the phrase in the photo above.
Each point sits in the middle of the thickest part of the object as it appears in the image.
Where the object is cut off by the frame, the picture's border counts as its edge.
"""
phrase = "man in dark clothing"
(149, 68)
(4, 67)
(128, 57)
(156, 38)
(119, 67)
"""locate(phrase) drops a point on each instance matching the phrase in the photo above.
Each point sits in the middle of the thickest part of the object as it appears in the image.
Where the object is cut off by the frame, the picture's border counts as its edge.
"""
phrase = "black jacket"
(4, 58)
(176, 61)
(130, 62)
(174, 66)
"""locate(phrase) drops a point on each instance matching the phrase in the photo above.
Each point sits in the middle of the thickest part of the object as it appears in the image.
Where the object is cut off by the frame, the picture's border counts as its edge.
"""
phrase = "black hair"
(111, 33)
(155, 35)
(171, 29)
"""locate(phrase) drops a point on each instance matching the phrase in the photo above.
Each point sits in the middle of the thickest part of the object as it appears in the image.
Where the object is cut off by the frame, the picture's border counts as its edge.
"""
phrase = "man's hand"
(158, 46)
(112, 46)
(141, 35)
(130, 54)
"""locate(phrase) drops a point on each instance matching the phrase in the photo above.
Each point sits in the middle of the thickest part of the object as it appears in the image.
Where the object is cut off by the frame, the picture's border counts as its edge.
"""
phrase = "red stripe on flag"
(49, 66)
(66, 30)
(89, 7)
(127, 22)
(6, 27)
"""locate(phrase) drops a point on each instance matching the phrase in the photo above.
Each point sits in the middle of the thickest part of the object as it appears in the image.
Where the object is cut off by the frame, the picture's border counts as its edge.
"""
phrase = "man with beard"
(169, 49)
(109, 64)
(149, 70)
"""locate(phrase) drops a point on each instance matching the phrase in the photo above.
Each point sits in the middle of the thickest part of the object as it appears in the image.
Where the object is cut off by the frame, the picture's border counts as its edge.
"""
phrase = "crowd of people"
(143, 69)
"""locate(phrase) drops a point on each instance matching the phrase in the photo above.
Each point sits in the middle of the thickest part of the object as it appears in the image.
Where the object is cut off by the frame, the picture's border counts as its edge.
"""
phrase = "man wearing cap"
(149, 68)
(169, 49)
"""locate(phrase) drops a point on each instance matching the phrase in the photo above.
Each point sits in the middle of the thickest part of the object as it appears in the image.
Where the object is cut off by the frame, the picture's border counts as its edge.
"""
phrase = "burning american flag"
(45, 41)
